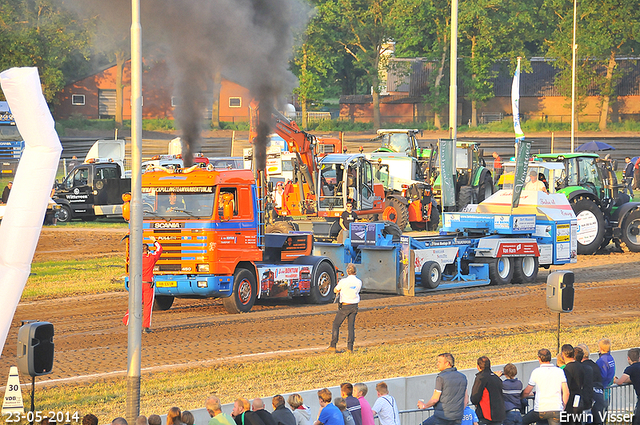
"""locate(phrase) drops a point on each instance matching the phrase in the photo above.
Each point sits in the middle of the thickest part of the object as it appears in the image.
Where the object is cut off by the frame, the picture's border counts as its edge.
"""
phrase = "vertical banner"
(448, 172)
(522, 167)
(515, 102)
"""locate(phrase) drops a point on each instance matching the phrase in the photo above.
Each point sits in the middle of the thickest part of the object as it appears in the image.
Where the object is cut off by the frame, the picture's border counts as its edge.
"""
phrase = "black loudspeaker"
(560, 291)
(35, 348)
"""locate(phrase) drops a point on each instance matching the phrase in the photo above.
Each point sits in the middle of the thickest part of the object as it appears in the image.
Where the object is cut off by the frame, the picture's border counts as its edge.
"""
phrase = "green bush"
(238, 126)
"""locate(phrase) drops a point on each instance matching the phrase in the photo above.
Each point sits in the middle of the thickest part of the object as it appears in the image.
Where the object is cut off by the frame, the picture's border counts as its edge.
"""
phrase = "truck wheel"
(395, 212)
(64, 215)
(631, 231)
(280, 227)
(430, 275)
(591, 225)
(244, 292)
(465, 197)
(485, 188)
(163, 302)
(500, 270)
(525, 269)
(322, 288)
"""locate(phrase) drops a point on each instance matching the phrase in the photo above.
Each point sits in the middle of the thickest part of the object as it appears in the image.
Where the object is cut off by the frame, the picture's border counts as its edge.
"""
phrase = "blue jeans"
(628, 186)
(513, 418)
(439, 421)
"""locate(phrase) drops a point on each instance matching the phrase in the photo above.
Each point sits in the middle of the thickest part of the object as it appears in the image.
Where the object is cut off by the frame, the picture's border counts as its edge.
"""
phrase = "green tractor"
(604, 213)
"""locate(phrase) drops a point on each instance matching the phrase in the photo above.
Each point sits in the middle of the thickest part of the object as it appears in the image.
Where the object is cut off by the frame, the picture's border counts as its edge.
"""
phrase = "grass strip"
(54, 279)
(189, 388)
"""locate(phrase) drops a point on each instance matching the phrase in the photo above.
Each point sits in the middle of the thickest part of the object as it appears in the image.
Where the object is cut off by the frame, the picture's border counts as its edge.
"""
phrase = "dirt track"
(90, 338)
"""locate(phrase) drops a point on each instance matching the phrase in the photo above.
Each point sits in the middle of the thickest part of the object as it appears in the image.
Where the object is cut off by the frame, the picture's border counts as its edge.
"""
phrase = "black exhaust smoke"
(248, 41)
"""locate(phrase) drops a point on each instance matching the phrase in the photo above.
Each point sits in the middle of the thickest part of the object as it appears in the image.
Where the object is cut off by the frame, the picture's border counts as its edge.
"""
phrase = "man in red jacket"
(149, 261)
(487, 394)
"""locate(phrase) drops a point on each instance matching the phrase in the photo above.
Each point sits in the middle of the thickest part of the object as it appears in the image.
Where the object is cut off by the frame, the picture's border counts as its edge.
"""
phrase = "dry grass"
(188, 388)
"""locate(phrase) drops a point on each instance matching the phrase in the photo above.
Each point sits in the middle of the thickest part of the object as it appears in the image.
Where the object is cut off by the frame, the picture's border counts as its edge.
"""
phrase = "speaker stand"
(558, 339)
(33, 396)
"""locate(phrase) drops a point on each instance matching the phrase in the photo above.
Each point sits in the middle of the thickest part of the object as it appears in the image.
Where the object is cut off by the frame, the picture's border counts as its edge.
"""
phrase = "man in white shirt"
(385, 406)
(552, 392)
(534, 183)
(348, 290)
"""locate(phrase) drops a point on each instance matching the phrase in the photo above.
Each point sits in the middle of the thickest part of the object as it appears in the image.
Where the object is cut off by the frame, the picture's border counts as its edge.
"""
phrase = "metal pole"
(135, 224)
(574, 47)
(453, 74)
(558, 349)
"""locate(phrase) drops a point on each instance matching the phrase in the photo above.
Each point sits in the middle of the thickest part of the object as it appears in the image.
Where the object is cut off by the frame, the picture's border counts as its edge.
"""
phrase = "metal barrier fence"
(621, 402)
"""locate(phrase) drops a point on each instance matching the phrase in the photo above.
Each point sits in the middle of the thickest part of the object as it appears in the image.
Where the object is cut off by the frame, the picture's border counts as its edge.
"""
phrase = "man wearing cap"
(5, 192)
(534, 183)
(149, 260)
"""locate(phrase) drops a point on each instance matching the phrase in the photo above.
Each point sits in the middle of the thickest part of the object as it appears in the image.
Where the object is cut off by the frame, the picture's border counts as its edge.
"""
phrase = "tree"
(42, 34)
(425, 29)
(363, 28)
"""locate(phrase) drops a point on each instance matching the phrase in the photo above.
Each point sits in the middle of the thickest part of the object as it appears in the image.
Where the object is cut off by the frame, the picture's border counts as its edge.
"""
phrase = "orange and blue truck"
(210, 222)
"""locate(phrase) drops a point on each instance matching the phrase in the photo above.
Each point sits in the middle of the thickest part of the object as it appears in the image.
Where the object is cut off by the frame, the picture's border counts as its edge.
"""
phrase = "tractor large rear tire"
(465, 197)
(396, 212)
(631, 231)
(485, 188)
(591, 225)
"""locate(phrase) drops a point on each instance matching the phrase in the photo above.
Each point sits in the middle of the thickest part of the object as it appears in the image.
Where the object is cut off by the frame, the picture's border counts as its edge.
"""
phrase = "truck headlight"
(202, 268)
(202, 284)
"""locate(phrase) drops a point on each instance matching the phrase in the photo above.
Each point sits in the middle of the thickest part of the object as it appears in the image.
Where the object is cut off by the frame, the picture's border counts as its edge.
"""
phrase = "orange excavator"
(322, 185)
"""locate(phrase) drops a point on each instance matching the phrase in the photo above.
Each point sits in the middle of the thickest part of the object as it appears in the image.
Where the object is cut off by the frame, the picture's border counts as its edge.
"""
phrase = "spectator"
(73, 163)
(91, 419)
(632, 375)
(258, 407)
(348, 290)
(300, 411)
(487, 394)
(361, 391)
(636, 174)
(353, 405)
(6, 191)
(214, 408)
(119, 421)
(243, 415)
(173, 416)
(341, 404)
(511, 390)
(281, 415)
(469, 417)
(598, 406)
(278, 195)
(385, 406)
(560, 361)
(157, 420)
(628, 176)
(187, 418)
(587, 386)
(534, 183)
(497, 167)
(575, 382)
(551, 391)
(606, 363)
(348, 216)
(450, 395)
(329, 413)
(140, 420)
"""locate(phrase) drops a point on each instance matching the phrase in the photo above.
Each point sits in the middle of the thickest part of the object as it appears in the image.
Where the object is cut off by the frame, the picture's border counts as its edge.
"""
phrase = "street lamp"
(574, 47)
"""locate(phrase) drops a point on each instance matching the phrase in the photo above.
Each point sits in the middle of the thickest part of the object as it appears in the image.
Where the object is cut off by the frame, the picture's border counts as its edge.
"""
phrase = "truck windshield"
(168, 205)
(10, 133)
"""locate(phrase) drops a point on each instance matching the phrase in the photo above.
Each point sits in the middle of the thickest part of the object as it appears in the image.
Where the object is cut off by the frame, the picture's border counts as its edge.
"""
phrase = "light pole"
(453, 74)
(134, 345)
(574, 47)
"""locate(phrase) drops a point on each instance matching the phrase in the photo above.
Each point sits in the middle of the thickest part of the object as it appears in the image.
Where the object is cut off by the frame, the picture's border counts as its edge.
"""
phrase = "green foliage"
(158, 124)
(238, 126)
(339, 125)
